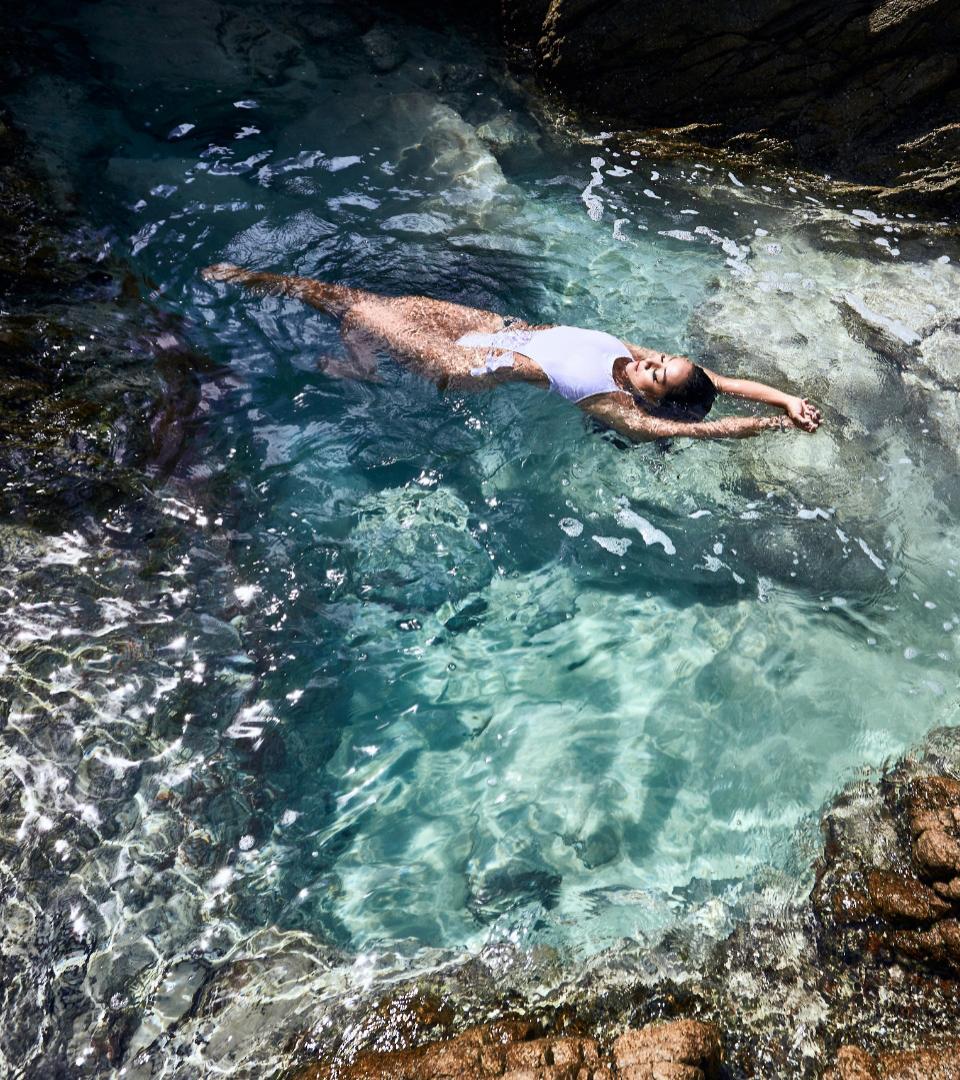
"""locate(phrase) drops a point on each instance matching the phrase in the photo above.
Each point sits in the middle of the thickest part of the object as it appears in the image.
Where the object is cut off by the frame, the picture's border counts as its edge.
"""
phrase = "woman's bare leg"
(416, 329)
(423, 333)
(361, 364)
(328, 297)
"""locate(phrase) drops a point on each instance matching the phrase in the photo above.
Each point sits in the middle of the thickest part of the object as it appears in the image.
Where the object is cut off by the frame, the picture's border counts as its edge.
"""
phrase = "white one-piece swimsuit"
(578, 362)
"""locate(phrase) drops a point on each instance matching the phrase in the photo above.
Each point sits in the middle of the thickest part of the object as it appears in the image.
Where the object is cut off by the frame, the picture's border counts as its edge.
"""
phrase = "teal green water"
(515, 681)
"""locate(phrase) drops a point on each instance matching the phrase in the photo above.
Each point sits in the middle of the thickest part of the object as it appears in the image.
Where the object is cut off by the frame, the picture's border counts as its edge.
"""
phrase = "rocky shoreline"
(867, 91)
(861, 982)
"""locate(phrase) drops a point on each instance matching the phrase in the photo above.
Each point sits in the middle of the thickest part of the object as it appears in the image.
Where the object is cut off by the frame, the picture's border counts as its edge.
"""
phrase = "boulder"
(385, 50)
(897, 896)
(677, 1050)
(937, 852)
(501, 1049)
(853, 1064)
(680, 1048)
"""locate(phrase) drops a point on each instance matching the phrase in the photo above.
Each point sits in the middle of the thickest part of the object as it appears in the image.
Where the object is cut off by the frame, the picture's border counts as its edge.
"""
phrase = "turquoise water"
(514, 681)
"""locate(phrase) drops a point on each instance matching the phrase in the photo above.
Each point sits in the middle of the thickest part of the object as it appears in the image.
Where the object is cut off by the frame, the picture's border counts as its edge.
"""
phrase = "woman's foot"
(221, 272)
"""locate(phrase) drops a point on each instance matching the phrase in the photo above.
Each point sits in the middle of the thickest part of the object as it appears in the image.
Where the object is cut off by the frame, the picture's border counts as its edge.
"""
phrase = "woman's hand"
(803, 414)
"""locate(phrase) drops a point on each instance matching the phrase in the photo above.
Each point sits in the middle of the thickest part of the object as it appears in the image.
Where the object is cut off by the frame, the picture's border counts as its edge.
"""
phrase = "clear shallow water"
(512, 680)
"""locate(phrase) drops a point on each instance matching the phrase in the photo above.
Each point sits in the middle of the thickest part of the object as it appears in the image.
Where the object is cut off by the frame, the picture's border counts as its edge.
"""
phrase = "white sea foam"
(616, 545)
(630, 519)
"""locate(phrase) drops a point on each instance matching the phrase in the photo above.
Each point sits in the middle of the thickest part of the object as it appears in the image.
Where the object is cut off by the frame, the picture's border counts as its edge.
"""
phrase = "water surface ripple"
(494, 677)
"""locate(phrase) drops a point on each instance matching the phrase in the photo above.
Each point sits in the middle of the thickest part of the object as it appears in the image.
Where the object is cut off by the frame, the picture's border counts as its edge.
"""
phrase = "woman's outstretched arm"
(624, 416)
(802, 412)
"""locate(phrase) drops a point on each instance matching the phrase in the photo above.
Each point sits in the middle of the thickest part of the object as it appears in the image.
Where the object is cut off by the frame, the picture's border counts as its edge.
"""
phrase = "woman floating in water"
(641, 393)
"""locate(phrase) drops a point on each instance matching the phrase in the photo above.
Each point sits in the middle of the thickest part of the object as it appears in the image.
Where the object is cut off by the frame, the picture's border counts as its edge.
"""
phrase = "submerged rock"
(95, 385)
(504, 888)
(386, 50)
(414, 550)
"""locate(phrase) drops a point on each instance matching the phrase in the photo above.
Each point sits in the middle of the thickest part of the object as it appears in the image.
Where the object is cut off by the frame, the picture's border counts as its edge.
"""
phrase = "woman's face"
(657, 374)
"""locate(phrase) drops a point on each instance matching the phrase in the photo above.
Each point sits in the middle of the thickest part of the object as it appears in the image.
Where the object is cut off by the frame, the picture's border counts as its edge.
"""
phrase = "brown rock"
(530, 1055)
(949, 930)
(662, 1070)
(930, 819)
(687, 1043)
(897, 897)
(938, 945)
(851, 905)
(853, 1064)
(554, 1058)
(938, 853)
(926, 1064)
(950, 890)
(933, 795)
(568, 1052)
(501, 1051)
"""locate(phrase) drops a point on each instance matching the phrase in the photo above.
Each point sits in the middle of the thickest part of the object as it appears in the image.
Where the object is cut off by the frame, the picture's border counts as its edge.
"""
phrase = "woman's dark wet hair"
(690, 401)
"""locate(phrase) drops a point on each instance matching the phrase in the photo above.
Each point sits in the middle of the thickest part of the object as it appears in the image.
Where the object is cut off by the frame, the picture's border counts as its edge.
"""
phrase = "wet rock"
(685, 1049)
(670, 64)
(678, 1050)
(895, 896)
(81, 404)
(949, 890)
(479, 1052)
(937, 852)
(939, 945)
(928, 1064)
(934, 795)
(934, 816)
(852, 1063)
(907, 900)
